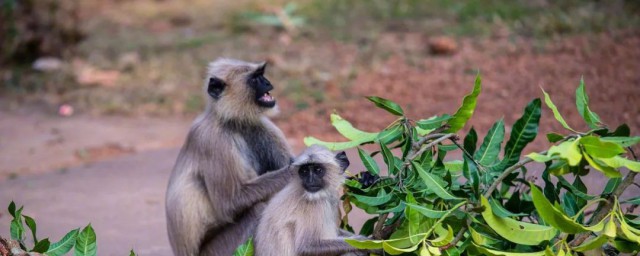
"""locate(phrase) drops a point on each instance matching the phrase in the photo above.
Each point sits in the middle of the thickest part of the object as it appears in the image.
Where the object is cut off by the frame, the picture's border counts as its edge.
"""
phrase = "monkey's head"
(239, 90)
(321, 172)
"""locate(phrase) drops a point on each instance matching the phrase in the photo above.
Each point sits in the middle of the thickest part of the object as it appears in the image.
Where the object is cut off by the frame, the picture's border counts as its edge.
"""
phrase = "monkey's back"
(212, 164)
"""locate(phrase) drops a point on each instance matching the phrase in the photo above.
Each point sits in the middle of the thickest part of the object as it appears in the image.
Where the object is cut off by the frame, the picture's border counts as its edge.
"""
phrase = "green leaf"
(556, 113)
(500, 211)
(347, 130)
(592, 244)
(16, 228)
(554, 137)
(380, 199)
(606, 170)
(612, 185)
(465, 111)
(490, 148)
(539, 158)
(470, 141)
(245, 249)
(132, 253)
(622, 141)
(556, 218)
(635, 200)
(487, 251)
(582, 103)
(12, 209)
(41, 246)
(387, 105)
(390, 134)
(369, 163)
(445, 236)
(86, 242)
(333, 146)
(434, 183)
(429, 213)
(31, 223)
(64, 245)
(618, 162)
(432, 122)
(516, 231)
(600, 149)
(387, 156)
(567, 150)
(524, 131)
(574, 189)
(470, 171)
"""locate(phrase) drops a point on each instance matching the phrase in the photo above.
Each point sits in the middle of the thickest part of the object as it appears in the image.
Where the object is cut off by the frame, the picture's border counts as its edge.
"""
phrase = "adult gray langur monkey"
(225, 170)
(302, 218)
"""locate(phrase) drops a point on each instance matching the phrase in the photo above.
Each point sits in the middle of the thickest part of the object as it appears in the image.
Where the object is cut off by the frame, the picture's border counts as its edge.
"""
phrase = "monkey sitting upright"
(301, 219)
(225, 171)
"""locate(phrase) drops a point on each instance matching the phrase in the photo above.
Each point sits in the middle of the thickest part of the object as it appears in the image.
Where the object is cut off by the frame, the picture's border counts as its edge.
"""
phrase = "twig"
(378, 227)
(458, 237)
(431, 144)
(507, 172)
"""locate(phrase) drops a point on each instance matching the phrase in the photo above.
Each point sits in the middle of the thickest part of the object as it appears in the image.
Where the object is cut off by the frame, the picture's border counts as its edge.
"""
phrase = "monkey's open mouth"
(266, 100)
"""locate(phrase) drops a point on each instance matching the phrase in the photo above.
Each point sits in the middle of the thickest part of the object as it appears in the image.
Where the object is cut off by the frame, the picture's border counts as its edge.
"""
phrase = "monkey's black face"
(261, 86)
(312, 177)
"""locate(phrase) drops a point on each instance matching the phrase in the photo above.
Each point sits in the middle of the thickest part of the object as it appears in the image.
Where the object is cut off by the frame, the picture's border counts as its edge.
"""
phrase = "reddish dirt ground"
(512, 74)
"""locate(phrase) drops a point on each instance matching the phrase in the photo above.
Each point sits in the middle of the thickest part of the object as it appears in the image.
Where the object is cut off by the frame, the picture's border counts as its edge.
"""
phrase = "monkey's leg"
(223, 242)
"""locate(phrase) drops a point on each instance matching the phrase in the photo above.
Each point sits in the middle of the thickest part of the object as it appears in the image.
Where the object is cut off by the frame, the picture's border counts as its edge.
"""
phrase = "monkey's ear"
(260, 70)
(342, 160)
(215, 87)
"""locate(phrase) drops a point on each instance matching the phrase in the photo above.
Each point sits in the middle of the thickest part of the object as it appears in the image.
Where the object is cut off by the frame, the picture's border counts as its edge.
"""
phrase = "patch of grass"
(355, 19)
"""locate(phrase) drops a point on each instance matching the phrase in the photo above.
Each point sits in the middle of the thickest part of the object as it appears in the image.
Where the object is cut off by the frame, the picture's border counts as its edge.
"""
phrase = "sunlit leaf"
(487, 251)
(380, 199)
(622, 141)
(429, 213)
(465, 111)
(600, 149)
(516, 231)
(618, 162)
(556, 218)
(567, 150)
(608, 171)
(347, 130)
(555, 111)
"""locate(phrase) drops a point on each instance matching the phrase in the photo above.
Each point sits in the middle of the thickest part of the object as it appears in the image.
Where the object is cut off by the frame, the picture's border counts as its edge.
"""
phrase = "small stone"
(65, 110)
(443, 46)
(47, 64)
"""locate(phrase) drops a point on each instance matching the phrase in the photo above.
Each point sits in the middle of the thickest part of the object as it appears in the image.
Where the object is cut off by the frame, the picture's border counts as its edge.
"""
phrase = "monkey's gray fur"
(225, 171)
(299, 222)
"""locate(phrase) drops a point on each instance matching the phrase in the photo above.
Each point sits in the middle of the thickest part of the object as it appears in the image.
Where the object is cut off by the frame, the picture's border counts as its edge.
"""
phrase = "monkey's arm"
(262, 187)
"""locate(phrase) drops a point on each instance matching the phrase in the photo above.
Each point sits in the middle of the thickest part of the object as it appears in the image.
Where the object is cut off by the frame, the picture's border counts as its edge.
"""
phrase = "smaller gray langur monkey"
(302, 218)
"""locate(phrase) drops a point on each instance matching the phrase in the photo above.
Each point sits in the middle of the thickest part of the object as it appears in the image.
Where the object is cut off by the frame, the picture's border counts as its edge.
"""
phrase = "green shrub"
(424, 203)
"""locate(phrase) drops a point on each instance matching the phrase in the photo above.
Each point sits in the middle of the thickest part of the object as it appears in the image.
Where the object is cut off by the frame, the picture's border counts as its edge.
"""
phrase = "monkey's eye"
(319, 170)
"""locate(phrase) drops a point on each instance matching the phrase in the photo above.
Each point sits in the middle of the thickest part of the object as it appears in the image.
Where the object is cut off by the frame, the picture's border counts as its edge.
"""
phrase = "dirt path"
(32, 142)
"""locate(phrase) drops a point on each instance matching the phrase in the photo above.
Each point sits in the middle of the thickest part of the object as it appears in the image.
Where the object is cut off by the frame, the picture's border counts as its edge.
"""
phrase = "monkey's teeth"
(266, 97)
